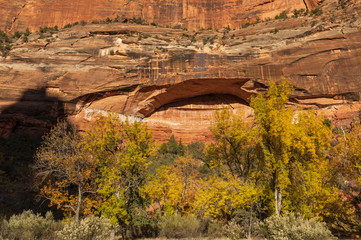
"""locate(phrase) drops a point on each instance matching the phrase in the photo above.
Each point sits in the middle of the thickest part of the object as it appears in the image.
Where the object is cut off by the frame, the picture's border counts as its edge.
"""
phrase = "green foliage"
(274, 31)
(138, 20)
(5, 45)
(316, 12)
(108, 20)
(299, 13)
(25, 39)
(89, 228)
(281, 16)
(179, 226)
(17, 34)
(234, 231)
(121, 150)
(247, 24)
(29, 226)
(292, 227)
(214, 230)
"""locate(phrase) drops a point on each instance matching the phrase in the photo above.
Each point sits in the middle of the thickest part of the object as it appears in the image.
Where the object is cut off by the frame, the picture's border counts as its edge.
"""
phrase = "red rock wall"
(191, 14)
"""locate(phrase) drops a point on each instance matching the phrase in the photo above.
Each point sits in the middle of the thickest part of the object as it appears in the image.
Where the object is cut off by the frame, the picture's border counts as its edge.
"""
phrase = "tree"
(121, 150)
(64, 170)
(173, 188)
(235, 144)
(346, 156)
(293, 147)
(284, 152)
(220, 197)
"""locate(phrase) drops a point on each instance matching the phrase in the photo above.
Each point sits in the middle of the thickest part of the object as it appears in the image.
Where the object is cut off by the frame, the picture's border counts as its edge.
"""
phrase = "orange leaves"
(63, 163)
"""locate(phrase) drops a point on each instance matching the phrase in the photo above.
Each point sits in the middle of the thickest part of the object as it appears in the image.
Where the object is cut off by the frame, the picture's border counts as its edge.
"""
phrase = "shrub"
(108, 20)
(179, 226)
(27, 32)
(298, 13)
(30, 226)
(25, 39)
(283, 15)
(138, 20)
(89, 228)
(233, 230)
(17, 34)
(316, 12)
(293, 227)
(215, 230)
(247, 24)
(274, 31)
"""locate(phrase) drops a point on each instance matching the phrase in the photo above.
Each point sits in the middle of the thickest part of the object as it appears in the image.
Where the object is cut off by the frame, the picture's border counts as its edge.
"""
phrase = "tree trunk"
(278, 200)
(249, 234)
(77, 213)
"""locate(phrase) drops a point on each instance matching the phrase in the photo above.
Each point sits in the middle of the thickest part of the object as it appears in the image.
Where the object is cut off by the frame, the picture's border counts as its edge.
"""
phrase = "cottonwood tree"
(346, 156)
(235, 144)
(294, 148)
(121, 150)
(65, 171)
(284, 152)
(173, 188)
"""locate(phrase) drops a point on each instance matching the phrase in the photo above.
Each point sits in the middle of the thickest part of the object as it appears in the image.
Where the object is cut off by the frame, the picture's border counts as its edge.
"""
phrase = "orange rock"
(191, 14)
(176, 79)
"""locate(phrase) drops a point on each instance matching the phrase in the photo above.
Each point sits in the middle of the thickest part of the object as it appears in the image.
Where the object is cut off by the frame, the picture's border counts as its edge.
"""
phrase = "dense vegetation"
(287, 175)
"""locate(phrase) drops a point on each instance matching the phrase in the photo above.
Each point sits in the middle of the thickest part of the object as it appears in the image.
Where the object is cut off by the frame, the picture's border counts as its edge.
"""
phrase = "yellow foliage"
(221, 196)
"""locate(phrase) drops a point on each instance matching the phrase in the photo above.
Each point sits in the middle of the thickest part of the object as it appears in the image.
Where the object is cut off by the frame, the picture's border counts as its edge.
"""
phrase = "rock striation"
(176, 79)
(17, 15)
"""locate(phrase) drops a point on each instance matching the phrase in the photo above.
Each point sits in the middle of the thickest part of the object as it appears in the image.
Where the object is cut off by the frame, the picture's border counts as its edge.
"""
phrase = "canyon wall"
(17, 15)
(176, 79)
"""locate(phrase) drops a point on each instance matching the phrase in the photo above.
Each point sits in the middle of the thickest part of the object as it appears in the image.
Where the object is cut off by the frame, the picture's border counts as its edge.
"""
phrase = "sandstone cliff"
(191, 14)
(175, 79)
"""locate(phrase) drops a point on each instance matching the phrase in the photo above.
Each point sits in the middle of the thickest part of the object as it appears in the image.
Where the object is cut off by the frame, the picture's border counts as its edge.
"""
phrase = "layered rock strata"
(175, 79)
(17, 15)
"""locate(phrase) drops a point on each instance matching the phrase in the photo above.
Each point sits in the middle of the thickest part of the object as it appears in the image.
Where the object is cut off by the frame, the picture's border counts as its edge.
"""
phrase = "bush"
(233, 230)
(282, 16)
(215, 230)
(316, 12)
(293, 227)
(274, 31)
(89, 228)
(179, 226)
(30, 226)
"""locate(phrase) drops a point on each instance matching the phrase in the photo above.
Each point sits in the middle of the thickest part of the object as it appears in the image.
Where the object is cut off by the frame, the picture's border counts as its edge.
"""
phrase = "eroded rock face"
(191, 14)
(175, 79)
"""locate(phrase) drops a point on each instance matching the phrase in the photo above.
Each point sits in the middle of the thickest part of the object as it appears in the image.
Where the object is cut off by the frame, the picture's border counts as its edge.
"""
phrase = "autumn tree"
(221, 196)
(294, 144)
(284, 152)
(235, 144)
(173, 188)
(64, 171)
(346, 155)
(121, 150)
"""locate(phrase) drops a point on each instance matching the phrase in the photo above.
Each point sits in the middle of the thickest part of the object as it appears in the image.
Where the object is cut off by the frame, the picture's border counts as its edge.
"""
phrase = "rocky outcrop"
(176, 79)
(191, 14)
